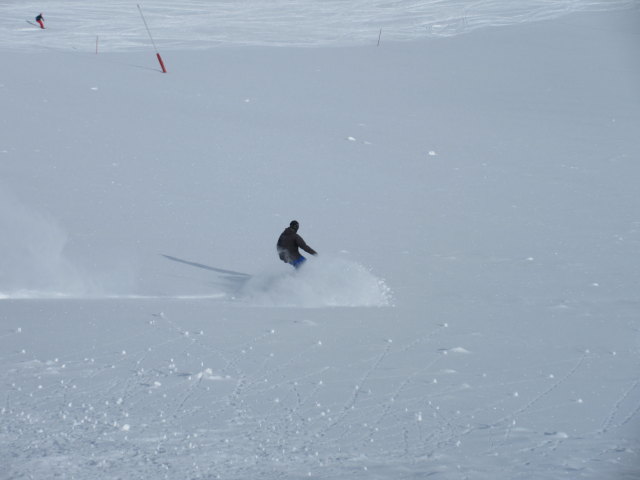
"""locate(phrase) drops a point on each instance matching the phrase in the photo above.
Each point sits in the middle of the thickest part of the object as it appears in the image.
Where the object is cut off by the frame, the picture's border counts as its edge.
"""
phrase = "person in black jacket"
(40, 20)
(289, 243)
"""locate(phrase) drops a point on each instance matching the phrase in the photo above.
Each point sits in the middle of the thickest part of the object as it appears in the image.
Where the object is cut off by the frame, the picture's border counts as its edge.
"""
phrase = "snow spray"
(323, 282)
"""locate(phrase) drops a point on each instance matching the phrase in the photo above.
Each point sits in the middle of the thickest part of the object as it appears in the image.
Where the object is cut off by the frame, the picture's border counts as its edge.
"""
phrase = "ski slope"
(203, 24)
(472, 194)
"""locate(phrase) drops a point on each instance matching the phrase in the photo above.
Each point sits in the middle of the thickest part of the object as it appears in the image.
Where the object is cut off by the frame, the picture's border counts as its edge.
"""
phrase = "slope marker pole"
(164, 70)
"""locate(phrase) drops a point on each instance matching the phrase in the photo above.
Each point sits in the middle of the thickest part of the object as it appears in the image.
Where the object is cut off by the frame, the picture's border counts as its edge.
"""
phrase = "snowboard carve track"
(353, 400)
(388, 406)
(609, 421)
(455, 434)
(544, 393)
(630, 417)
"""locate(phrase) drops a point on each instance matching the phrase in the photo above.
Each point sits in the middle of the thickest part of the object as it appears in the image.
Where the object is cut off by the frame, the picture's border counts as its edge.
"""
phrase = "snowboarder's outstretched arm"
(303, 245)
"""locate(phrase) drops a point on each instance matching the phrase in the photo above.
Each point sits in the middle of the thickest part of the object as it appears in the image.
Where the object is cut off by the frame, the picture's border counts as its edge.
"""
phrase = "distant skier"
(288, 245)
(40, 20)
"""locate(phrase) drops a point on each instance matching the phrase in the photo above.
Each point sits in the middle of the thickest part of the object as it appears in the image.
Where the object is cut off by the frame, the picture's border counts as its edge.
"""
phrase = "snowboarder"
(288, 245)
(40, 20)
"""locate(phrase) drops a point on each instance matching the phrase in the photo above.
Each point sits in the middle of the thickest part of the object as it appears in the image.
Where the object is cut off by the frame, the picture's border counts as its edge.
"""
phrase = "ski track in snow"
(150, 398)
(203, 24)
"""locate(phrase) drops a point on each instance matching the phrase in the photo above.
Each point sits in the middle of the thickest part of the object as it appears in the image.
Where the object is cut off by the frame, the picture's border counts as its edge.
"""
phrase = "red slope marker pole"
(164, 70)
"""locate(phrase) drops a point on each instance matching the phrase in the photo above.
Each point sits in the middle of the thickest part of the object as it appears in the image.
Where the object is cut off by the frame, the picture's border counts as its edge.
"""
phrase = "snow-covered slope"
(473, 312)
(202, 24)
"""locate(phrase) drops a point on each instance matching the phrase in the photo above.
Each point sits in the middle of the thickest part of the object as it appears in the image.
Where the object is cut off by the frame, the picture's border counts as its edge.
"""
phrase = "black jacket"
(288, 245)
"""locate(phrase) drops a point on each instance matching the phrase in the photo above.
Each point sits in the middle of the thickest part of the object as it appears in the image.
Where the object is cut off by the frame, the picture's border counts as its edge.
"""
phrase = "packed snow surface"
(473, 312)
(202, 24)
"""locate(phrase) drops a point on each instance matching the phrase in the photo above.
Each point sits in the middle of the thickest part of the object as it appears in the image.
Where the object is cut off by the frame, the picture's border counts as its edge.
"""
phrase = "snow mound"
(321, 282)
(207, 374)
